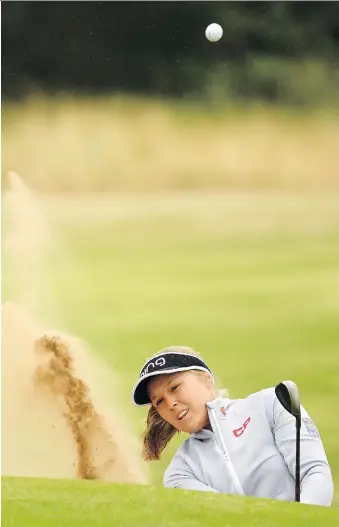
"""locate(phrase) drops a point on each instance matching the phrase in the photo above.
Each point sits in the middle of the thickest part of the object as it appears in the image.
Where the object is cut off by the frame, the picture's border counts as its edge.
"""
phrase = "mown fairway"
(41, 503)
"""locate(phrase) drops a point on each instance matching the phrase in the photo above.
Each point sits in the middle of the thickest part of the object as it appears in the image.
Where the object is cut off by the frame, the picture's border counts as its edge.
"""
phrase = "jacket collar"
(216, 405)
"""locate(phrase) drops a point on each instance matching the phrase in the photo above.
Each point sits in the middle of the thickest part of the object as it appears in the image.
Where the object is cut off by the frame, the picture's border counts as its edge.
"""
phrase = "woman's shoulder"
(262, 399)
(265, 395)
(257, 397)
(262, 394)
(266, 401)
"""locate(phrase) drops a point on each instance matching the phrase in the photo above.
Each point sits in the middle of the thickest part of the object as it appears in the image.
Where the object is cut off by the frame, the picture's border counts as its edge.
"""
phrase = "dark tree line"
(160, 47)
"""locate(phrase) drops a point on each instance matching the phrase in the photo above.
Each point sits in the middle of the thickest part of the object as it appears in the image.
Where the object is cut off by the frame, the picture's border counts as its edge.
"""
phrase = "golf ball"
(213, 32)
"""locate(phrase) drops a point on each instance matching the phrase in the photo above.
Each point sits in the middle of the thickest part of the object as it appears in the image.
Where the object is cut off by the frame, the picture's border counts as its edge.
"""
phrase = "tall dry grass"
(118, 144)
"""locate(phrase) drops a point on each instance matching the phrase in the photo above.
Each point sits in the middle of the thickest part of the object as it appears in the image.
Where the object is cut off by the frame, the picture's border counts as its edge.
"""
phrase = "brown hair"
(159, 432)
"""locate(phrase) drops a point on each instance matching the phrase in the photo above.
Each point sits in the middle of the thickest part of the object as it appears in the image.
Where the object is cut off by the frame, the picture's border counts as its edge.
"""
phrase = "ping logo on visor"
(161, 361)
(167, 362)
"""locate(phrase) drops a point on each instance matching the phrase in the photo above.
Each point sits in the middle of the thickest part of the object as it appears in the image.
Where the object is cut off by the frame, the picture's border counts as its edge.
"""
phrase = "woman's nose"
(173, 403)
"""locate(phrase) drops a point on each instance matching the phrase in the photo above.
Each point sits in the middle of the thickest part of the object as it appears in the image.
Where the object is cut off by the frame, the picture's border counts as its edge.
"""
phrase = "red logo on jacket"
(239, 431)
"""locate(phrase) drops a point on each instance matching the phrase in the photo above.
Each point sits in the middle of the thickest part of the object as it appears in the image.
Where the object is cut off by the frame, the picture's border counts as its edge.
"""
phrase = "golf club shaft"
(297, 460)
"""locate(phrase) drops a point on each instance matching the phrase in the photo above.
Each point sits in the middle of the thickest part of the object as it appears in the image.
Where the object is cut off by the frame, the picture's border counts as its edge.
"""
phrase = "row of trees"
(285, 51)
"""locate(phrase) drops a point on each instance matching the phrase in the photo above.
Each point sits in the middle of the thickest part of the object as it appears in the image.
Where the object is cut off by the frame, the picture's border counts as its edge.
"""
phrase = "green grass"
(60, 503)
(249, 280)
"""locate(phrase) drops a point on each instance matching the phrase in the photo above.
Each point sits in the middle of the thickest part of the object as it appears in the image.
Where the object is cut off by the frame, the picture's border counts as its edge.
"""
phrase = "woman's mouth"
(182, 414)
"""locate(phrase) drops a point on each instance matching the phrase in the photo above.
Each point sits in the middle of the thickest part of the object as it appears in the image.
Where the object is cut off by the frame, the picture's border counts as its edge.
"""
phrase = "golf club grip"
(297, 462)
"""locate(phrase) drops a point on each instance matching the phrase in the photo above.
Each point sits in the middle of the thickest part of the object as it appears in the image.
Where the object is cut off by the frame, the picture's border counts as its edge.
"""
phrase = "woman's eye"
(174, 387)
(159, 402)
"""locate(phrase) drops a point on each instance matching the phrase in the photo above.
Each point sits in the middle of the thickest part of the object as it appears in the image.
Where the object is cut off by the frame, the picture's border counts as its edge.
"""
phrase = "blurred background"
(192, 186)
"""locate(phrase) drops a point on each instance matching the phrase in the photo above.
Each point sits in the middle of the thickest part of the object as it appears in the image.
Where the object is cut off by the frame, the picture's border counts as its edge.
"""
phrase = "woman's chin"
(190, 427)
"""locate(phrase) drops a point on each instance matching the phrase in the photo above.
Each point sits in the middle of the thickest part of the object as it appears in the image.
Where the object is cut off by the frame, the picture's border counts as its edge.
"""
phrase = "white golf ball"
(213, 32)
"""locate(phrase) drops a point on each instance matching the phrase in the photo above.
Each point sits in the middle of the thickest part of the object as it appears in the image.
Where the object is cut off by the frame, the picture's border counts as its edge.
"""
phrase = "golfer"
(235, 446)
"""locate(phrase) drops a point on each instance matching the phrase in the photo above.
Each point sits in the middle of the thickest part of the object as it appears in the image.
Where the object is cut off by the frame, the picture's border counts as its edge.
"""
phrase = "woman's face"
(180, 398)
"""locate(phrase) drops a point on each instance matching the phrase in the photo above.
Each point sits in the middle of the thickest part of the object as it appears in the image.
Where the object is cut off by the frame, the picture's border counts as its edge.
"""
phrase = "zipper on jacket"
(231, 469)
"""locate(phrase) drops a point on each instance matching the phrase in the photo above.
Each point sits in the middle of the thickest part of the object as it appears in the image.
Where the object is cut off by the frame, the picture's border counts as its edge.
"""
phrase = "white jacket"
(251, 452)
